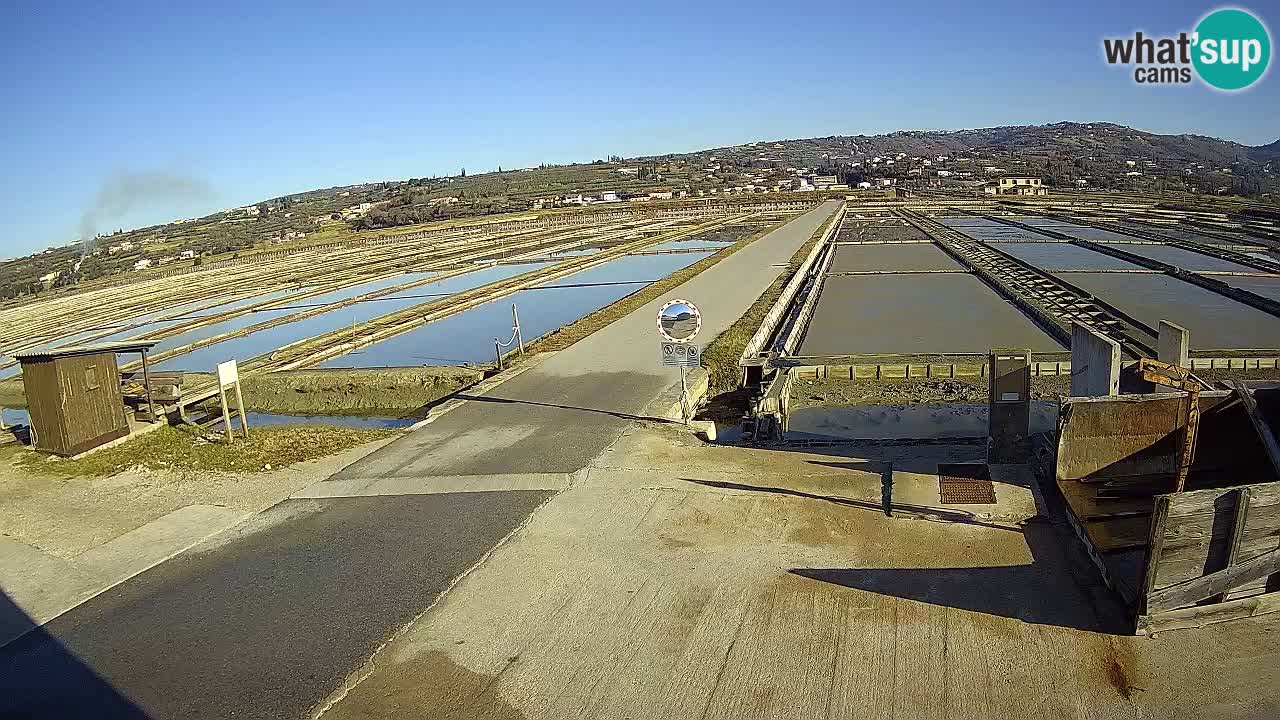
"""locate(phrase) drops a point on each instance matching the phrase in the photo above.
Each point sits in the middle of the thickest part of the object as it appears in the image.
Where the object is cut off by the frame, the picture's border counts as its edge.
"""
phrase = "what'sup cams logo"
(1229, 49)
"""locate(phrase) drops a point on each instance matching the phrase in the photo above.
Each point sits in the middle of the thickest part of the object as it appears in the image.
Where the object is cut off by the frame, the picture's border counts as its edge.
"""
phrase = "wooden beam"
(1238, 519)
(1259, 424)
(1186, 593)
(1155, 545)
(1202, 615)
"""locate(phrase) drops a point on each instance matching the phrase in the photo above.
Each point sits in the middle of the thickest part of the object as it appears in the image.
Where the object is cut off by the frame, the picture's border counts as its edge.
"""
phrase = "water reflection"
(264, 341)
(468, 336)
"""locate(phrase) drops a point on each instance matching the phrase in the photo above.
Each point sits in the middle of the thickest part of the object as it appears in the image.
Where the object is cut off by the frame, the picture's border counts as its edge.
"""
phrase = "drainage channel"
(1217, 251)
(1245, 297)
(1051, 302)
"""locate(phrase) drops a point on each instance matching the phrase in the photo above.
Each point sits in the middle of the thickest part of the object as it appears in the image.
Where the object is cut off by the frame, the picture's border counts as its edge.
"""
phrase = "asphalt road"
(272, 617)
(260, 622)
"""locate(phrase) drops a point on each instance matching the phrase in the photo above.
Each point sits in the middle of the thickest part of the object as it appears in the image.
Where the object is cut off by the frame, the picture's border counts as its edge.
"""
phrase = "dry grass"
(359, 391)
(180, 448)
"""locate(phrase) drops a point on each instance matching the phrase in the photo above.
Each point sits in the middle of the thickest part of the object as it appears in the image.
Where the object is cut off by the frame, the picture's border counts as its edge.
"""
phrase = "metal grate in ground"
(965, 484)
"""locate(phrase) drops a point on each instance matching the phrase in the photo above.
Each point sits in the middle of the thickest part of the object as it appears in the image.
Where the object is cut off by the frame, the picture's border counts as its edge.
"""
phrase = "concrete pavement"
(273, 617)
(677, 580)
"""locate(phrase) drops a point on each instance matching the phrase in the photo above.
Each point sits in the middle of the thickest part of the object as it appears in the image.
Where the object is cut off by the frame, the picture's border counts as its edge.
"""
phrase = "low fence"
(960, 365)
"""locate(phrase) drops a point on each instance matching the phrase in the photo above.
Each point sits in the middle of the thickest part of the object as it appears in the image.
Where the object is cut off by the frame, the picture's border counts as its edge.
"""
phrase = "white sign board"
(228, 374)
(678, 354)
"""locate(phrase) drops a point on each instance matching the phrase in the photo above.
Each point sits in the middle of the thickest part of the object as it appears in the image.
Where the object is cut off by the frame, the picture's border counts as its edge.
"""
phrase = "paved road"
(262, 621)
(272, 617)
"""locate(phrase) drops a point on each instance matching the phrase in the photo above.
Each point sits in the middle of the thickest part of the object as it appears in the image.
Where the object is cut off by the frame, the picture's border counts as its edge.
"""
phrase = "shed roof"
(73, 350)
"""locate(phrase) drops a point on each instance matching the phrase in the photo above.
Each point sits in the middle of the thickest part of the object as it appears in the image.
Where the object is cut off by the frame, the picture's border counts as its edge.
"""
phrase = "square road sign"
(681, 355)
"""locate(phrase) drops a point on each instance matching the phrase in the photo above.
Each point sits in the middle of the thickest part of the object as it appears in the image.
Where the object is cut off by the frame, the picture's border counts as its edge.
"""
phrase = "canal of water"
(468, 336)
(263, 341)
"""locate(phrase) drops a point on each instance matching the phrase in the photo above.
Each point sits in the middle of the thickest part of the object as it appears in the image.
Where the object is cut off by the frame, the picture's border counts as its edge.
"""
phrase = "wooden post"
(146, 386)
(1187, 442)
(1155, 546)
(1238, 518)
(244, 422)
(226, 414)
(515, 318)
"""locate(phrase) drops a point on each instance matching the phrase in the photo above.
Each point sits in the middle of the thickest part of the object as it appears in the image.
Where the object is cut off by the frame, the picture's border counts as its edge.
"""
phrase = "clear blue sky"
(261, 99)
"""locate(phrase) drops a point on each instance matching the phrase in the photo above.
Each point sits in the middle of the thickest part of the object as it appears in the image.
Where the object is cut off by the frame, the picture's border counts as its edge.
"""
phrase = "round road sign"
(679, 321)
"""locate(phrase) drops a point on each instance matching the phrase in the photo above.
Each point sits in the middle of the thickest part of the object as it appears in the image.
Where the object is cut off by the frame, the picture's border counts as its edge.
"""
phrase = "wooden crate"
(1114, 467)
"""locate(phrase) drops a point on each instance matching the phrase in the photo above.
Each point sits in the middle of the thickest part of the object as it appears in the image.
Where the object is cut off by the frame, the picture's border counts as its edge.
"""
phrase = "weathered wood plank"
(1203, 528)
(1195, 617)
(1117, 438)
(1238, 518)
(1186, 563)
(1202, 501)
(1260, 425)
(1191, 591)
(1087, 504)
(1199, 543)
(1151, 563)
(1114, 575)
(1121, 533)
(1257, 587)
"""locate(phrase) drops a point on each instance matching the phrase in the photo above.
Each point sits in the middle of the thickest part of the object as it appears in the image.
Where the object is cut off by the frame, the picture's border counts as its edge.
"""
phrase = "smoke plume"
(124, 192)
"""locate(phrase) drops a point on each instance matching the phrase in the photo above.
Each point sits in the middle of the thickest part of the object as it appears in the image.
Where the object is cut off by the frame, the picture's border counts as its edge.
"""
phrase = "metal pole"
(684, 398)
(515, 318)
(497, 351)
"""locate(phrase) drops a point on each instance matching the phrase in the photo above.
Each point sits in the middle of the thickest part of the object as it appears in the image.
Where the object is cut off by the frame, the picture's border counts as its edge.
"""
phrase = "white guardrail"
(774, 316)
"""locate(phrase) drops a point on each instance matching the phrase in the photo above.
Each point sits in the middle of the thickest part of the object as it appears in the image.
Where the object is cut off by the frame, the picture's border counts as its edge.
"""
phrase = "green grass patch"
(181, 448)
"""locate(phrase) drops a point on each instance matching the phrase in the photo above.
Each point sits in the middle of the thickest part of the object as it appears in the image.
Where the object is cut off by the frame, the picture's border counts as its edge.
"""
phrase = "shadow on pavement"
(1057, 588)
(611, 413)
(41, 678)
(1052, 590)
(888, 508)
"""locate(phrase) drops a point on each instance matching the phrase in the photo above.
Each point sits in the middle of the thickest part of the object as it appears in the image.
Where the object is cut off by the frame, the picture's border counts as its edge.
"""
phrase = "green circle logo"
(1232, 49)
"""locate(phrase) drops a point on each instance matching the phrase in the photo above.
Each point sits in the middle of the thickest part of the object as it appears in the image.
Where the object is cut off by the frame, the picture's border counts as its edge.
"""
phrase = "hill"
(1103, 154)
(1066, 154)
(1265, 153)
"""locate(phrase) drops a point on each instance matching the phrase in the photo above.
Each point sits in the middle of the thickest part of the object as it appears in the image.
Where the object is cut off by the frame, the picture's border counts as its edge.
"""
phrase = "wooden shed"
(74, 397)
